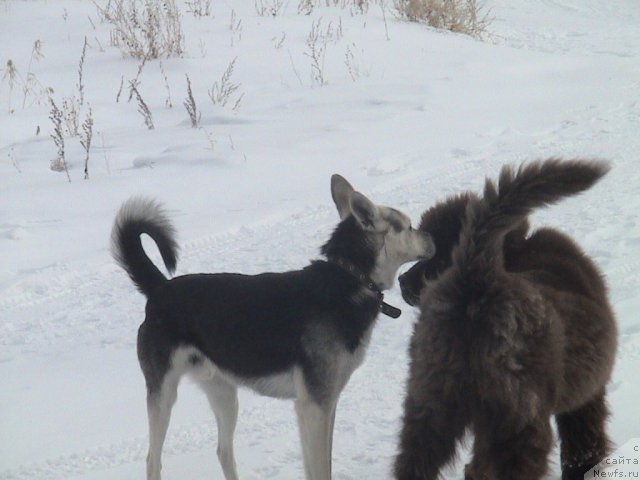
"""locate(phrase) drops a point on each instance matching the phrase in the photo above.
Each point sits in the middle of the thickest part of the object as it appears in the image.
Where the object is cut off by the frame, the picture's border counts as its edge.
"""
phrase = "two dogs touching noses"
(488, 292)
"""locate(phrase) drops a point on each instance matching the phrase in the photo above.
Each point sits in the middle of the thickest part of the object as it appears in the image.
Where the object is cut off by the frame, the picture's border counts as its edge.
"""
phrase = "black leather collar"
(366, 281)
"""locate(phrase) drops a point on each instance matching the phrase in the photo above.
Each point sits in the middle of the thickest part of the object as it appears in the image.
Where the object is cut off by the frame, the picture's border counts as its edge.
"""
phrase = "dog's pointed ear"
(366, 212)
(340, 192)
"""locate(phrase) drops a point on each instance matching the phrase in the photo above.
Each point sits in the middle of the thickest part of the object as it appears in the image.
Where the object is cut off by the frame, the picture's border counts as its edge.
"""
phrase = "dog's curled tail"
(516, 195)
(137, 216)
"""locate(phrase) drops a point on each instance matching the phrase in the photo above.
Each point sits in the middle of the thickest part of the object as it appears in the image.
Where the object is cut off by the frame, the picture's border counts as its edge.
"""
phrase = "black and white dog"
(296, 335)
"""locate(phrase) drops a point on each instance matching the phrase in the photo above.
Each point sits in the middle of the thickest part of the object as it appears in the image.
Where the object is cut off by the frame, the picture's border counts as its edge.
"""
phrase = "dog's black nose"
(407, 294)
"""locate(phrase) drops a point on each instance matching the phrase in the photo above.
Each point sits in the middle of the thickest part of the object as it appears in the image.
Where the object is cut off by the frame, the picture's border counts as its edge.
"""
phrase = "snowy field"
(408, 114)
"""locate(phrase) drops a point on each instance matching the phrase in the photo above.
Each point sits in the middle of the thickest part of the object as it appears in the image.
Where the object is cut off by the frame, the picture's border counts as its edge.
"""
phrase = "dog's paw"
(576, 472)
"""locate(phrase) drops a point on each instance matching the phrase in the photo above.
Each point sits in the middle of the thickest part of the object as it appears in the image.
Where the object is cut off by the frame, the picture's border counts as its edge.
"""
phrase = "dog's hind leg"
(583, 438)
(431, 428)
(159, 405)
(514, 449)
(223, 398)
(477, 469)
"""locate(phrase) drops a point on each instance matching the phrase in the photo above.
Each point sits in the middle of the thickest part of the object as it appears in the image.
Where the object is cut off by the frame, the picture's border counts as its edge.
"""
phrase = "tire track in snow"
(76, 313)
(77, 282)
(73, 283)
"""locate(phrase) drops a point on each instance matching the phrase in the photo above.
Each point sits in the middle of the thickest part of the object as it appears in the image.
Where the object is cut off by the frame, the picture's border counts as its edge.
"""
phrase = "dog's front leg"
(316, 434)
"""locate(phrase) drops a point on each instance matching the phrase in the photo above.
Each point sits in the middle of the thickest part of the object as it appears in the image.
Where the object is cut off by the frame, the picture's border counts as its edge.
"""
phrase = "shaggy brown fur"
(513, 330)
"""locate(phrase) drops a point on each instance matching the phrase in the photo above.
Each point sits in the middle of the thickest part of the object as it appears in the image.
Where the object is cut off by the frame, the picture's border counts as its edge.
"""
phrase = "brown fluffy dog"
(513, 329)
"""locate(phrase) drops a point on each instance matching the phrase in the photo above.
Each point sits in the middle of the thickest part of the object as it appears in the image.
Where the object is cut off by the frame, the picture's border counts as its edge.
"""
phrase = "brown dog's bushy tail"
(534, 185)
(135, 217)
(517, 193)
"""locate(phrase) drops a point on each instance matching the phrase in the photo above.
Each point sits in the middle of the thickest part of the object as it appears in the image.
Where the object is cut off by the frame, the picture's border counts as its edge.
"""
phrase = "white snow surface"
(421, 115)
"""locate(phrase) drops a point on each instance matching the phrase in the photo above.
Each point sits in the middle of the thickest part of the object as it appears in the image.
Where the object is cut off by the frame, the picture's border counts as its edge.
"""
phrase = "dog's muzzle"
(429, 247)
(410, 287)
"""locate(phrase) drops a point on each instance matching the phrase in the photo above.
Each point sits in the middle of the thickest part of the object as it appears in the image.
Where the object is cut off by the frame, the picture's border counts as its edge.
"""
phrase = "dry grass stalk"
(269, 8)
(37, 55)
(235, 25)
(383, 7)
(104, 153)
(135, 82)
(279, 42)
(59, 163)
(100, 47)
(145, 28)
(355, 7)
(199, 8)
(317, 48)
(120, 89)
(190, 105)
(167, 102)
(31, 86)
(353, 65)
(143, 108)
(461, 16)
(236, 105)
(222, 91)
(80, 69)
(293, 67)
(71, 115)
(12, 76)
(85, 140)
(305, 7)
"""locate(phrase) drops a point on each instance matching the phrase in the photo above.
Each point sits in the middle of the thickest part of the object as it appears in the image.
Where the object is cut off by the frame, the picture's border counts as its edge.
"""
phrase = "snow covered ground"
(413, 115)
